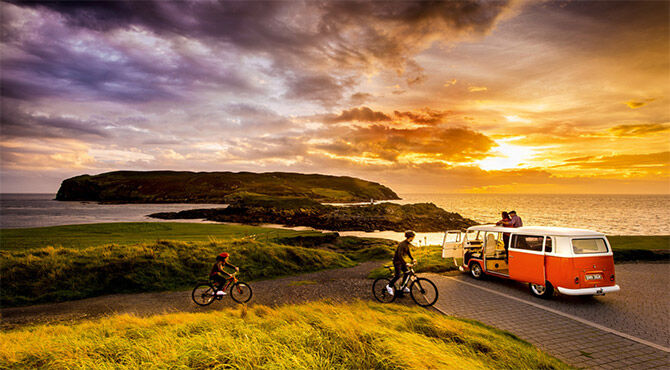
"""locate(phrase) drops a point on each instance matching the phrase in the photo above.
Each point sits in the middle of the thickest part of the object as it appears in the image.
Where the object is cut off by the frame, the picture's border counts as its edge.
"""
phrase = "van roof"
(544, 230)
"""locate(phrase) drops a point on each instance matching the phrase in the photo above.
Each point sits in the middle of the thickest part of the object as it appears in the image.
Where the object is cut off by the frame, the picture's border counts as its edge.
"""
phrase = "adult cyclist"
(399, 263)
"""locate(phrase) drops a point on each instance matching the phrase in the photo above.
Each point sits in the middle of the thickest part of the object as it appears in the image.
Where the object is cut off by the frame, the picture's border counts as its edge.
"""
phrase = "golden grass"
(314, 335)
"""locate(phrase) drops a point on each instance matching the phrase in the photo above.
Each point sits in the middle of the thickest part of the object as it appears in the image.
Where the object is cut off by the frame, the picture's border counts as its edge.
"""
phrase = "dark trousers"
(220, 280)
(400, 269)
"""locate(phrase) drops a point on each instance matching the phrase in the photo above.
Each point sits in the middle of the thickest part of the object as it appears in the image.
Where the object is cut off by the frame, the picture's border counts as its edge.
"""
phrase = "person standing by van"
(399, 263)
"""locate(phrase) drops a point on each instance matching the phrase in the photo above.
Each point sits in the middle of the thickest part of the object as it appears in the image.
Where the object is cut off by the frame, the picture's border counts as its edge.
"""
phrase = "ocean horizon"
(613, 214)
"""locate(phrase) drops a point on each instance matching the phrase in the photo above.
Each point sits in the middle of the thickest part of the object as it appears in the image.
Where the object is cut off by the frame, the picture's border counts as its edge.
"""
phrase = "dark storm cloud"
(299, 38)
(324, 88)
(19, 124)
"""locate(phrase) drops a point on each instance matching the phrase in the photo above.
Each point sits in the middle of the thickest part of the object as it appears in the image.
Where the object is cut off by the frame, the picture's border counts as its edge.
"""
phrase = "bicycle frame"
(231, 280)
(410, 274)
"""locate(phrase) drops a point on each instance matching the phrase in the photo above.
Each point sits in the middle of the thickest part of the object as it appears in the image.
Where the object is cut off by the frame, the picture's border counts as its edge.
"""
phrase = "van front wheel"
(476, 271)
(542, 291)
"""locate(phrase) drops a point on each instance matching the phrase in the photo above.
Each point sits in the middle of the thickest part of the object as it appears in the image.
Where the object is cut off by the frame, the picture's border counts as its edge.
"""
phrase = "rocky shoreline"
(420, 217)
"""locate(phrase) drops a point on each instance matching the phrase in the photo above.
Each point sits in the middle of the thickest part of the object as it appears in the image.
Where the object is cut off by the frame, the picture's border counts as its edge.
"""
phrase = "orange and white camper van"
(569, 261)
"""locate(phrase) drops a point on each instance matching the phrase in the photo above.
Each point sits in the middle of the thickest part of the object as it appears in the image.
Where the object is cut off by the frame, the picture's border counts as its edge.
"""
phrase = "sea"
(610, 214)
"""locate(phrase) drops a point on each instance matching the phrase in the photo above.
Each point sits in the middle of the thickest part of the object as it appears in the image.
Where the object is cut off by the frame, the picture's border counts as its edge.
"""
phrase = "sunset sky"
(472, 96)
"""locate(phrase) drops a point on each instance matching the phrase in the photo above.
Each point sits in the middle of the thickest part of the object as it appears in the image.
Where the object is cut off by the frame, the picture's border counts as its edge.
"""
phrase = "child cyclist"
(219, 275)
(399, 263)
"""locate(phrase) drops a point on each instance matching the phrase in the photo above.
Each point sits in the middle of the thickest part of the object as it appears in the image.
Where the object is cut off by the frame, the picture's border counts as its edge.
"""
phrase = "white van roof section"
(544, 230)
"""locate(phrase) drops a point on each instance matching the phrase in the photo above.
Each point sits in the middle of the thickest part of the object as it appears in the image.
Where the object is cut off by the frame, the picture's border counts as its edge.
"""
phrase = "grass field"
(622, 242)
(127, 233)
(315, 335)
(58, 274)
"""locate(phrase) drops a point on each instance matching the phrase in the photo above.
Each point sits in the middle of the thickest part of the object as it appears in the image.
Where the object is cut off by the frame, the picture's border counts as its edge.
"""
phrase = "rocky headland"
(421, 217)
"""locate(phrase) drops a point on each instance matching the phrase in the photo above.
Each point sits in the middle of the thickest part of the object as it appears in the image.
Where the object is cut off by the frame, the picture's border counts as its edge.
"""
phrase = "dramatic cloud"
(639, 130)
(362, 114)
(651, 161)
(426, 144)
(446, 95)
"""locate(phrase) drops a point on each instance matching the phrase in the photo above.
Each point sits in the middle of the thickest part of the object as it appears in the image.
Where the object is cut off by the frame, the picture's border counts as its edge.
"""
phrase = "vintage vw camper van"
(569, 261)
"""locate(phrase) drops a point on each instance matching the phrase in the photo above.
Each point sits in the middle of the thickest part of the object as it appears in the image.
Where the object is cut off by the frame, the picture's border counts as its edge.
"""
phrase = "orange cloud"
(429, 144)
(362, 114)
(634, 104)
(639, 130)
(651, 161)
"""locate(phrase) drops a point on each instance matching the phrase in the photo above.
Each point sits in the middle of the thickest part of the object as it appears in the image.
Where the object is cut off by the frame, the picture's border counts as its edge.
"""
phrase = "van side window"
(528, 242)
(591, 245)
(548, 245)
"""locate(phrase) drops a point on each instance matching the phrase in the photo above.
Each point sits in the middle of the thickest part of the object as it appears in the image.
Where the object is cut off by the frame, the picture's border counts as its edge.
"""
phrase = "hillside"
(216, 187)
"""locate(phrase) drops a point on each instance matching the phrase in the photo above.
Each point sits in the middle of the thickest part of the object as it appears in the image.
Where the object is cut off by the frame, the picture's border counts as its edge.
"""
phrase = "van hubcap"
(476, 270)
(539, 289)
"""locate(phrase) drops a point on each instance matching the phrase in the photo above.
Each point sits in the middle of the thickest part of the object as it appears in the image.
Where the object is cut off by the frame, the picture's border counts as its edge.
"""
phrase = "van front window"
(584, 246)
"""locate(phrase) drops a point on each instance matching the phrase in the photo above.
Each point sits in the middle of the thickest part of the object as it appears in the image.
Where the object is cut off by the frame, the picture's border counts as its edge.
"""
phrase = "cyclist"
(399, 263)
(219, 275)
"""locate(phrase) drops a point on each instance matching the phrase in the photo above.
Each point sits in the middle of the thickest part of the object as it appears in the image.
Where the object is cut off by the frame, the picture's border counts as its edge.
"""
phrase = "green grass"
(429, 260)
(127, 233)
(314, 335)
(58, 274)
(623, 242)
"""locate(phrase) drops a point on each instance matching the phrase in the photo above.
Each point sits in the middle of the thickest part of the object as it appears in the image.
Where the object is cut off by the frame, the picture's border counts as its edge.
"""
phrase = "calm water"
(36, 210)
(611, 214)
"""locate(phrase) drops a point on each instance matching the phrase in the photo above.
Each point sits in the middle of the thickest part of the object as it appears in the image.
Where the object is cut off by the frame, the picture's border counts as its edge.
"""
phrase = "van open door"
(452, 246)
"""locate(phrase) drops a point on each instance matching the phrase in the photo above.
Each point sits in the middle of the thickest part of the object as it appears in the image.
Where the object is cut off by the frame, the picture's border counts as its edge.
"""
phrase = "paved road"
(641, 310)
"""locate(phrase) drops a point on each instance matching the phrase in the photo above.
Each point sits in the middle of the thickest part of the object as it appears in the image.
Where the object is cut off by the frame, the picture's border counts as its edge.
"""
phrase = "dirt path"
(339, 285)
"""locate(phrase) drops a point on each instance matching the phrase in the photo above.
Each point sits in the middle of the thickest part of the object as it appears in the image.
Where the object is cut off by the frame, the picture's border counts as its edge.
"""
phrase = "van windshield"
(584, 246)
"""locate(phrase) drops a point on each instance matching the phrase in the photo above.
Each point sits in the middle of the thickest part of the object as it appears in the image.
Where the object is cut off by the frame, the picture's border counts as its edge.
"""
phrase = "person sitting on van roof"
(505, 221)
(515, 220)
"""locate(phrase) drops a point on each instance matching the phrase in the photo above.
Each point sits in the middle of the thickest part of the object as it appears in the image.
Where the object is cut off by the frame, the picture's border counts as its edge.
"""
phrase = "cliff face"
(216, 187)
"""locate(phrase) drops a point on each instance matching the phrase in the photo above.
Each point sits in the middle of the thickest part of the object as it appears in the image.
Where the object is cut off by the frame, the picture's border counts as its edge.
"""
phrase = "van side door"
(452, 246)
(526, 258)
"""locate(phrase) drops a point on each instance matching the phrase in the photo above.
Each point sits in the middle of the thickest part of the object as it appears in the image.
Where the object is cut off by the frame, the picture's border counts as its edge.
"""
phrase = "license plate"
(594, 277)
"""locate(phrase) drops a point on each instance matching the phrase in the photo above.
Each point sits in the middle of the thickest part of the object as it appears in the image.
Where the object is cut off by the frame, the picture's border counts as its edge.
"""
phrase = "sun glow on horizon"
(506, 156)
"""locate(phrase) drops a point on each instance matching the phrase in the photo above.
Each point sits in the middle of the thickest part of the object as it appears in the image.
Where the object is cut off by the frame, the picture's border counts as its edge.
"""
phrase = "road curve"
(641, 312)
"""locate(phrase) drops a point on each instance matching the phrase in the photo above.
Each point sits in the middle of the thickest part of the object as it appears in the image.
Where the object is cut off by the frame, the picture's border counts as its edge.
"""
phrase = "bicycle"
(423, 291)
(204, 292)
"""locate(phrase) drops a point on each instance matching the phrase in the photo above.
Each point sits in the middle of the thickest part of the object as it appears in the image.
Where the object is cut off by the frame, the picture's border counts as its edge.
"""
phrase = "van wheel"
(542, 291)
(476, 271)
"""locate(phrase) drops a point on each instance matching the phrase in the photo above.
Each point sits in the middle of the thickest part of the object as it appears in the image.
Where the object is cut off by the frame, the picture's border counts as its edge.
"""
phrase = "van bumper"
(589, 291)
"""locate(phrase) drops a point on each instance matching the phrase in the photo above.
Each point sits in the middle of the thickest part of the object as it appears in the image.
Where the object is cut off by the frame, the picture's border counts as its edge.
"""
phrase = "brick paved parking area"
(577, 341)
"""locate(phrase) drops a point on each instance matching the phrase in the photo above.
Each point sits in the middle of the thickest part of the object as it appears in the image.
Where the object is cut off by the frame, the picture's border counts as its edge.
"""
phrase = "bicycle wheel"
(241, 292)
(423, 292)
(203, 294)
(379, 290)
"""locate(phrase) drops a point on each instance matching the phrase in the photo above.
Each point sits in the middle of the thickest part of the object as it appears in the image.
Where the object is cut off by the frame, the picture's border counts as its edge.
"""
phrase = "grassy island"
(216, 187)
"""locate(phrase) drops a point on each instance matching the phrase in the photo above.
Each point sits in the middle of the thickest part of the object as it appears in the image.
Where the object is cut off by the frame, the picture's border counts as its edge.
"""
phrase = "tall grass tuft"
(314, 335)
(58, 274)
